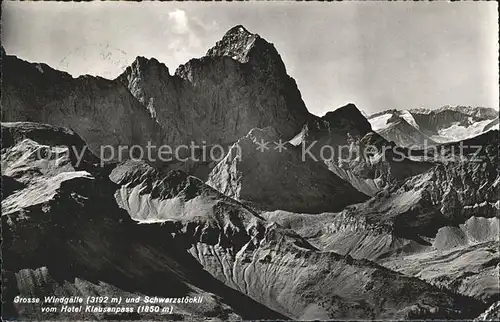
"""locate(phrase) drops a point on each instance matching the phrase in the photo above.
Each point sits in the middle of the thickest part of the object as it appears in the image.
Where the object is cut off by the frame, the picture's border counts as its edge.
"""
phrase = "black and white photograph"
(250, 161)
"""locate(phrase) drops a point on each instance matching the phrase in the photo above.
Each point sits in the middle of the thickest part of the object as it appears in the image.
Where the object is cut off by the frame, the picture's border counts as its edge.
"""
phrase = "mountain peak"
(238, 30)
(348, 114)
(238, 43)
(350, 107)
(142, 63)
(141, 68)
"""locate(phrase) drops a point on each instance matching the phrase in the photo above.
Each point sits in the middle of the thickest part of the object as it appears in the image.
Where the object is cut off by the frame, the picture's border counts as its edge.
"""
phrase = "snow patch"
(39, 67)
(298, 139)
(457, 132)
(380, 122)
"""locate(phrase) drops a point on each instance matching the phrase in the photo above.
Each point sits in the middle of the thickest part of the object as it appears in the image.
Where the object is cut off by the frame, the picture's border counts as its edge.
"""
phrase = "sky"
(378, 55)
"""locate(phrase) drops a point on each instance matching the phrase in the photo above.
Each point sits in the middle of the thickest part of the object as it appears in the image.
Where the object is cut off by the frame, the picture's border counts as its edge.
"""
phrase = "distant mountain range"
(447, 124)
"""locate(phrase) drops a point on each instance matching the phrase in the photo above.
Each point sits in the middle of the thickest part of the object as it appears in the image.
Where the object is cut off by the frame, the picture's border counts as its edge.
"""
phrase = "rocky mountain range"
(218, 98)
(419, 127)
(302, 217)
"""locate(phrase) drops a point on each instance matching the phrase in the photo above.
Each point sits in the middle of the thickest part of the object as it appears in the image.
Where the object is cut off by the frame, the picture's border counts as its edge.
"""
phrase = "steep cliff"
(103, 112)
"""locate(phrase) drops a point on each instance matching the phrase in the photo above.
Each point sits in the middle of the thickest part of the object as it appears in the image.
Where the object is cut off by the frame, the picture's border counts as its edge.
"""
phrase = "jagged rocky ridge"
(239, 85)
(103, 112)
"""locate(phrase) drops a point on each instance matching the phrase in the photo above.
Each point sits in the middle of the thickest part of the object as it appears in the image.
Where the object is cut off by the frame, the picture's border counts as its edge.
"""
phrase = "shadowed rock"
(279, 178)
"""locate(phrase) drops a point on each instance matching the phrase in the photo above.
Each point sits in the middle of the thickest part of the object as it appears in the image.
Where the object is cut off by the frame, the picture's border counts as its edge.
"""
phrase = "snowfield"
(458, 132)
(380, 122)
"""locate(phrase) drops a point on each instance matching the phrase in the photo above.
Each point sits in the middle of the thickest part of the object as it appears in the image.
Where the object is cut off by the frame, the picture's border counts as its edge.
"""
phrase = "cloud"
(186, 35)
(180, 21)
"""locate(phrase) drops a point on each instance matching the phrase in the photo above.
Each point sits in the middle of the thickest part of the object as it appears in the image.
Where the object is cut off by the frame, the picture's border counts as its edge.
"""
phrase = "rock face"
(279, 178)
(491, 314)
(103, 112)
(446, 124)
(404, 134)
(240, 84)
(32, 150)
